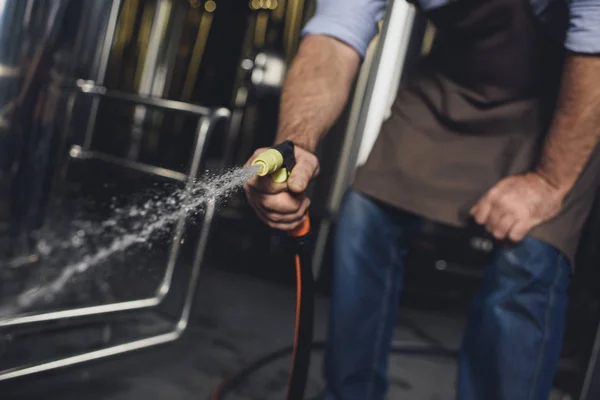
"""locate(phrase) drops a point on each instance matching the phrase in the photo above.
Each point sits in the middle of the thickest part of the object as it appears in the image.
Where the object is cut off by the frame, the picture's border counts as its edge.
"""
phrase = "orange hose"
(298, 307)
(217, 393)
(302, 230)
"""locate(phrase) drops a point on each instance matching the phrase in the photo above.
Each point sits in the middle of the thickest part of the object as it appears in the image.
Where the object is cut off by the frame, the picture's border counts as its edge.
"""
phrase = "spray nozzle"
(277, 161)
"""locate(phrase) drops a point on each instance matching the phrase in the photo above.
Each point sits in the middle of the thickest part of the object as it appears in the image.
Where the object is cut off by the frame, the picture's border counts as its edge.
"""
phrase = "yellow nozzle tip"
(263, 167)
(269, 160)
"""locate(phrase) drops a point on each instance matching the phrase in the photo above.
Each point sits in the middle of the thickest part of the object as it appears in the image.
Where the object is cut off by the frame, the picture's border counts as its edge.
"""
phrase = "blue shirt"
(575, 22)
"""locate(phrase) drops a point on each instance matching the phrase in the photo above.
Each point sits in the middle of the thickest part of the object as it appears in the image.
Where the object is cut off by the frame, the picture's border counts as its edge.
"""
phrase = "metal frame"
(164, 338)
(207, 120)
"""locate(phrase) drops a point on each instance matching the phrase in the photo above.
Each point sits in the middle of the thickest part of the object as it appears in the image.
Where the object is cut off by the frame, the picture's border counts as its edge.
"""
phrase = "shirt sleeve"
(583, 34)
(353, 22)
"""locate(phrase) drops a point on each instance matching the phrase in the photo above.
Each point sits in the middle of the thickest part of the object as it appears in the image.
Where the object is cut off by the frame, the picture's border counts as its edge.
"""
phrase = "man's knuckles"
(280, 203)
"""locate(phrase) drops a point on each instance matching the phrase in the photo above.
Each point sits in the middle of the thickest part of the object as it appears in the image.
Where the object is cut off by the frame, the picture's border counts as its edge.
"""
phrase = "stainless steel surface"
(94, 37)
(263, 76)
(29, 107)
(25, 27)
(235, 125)
(102, 67)
(157, 69)
(149, 46)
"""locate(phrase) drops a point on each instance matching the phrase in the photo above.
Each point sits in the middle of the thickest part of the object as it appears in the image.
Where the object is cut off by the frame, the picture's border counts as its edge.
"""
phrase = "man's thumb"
(299, 178)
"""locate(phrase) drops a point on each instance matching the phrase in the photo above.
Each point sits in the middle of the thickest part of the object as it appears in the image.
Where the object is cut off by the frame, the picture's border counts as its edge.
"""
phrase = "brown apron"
(477, 111)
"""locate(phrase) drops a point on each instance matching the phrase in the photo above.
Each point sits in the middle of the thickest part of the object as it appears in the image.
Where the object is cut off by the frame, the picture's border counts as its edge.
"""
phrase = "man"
(500, 126)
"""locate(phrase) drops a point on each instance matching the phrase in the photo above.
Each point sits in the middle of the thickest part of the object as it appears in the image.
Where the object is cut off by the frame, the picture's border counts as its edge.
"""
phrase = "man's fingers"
(514, 206)
(481, 211)
(281, 203)
(286, 227)
(307, 167)
(297, 216)
(286, 223)
(503, 226)
(265, 184)
(519, 230)
(258, 210)
(493, 219)
(278, 208)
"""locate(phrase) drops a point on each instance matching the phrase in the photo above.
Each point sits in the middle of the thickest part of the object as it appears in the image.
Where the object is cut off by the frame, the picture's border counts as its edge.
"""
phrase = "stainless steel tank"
(29, 32)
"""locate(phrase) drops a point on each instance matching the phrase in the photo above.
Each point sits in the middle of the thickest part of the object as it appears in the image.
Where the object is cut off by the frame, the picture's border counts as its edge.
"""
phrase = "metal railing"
(207, 119)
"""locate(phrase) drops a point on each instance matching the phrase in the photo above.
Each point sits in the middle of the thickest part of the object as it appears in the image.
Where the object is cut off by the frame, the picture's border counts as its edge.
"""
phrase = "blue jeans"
(514, 332)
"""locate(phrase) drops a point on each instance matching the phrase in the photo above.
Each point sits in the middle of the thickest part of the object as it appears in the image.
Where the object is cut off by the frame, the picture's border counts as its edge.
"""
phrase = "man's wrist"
(554, 184)
(302, 143)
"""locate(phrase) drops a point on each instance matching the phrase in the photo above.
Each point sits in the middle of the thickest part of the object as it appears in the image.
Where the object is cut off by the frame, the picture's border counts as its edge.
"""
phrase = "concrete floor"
(238, 319)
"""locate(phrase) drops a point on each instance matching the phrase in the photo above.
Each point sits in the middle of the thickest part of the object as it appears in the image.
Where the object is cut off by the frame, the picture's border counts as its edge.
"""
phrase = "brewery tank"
(42, 45)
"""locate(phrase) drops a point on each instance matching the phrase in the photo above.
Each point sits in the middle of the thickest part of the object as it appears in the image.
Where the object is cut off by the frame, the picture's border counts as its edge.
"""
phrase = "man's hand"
(283, 206)
(517, 204)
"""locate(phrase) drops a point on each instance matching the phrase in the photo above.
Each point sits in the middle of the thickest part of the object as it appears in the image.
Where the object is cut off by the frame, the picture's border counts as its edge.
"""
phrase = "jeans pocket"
(530, 261)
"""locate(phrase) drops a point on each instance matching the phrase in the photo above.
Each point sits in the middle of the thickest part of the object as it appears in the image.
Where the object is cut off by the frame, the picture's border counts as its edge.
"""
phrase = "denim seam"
(546, 329)
(381, 328)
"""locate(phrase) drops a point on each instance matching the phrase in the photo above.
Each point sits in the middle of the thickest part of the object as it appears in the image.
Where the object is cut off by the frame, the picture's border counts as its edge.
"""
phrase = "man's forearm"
(316, 90)
(575, 130)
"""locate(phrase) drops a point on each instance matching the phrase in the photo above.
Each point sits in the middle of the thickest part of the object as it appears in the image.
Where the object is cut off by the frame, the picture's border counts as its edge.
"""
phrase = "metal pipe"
(91, 88)
(102, 67)
(204, 128)
(150, 83)
(79, 312)
(108, 41)
(90, 356)
(79, 153)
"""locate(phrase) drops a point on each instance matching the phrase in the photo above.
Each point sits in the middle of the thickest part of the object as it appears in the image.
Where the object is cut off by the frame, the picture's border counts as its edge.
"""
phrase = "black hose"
(303, 344)
(397, 348)
(303, 335)
(304, 327)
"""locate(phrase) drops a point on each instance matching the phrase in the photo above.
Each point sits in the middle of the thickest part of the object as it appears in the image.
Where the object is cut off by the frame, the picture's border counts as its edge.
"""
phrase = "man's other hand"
(283, 206)
(516, 205)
